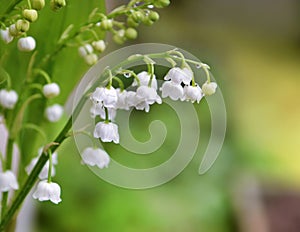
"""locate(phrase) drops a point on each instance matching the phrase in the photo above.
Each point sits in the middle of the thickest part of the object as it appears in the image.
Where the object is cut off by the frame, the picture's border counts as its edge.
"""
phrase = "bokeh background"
(253, 49)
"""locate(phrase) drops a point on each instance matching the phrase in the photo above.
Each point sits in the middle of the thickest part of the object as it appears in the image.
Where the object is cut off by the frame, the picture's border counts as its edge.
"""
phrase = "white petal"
(144, 78)
(209, 88)
(106, 97)
(26, 44)
(8, 98)
(47, 191)
(192, 93)
(54, 113)
(178, 75)
(107, 132)
(172, 90)
(8, 181)
(6, 36)
(51, 90)
(95, 156)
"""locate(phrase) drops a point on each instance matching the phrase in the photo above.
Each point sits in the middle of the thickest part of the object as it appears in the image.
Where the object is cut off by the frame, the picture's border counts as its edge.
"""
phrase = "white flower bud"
(209, 88)
(95, 156)
(51, 90)
(99, 45)
(26, 44)
(8, 181)
(53, 113)
(6, 36)
(8, 98)
(91, 59)
(85, 50)
(46, 191)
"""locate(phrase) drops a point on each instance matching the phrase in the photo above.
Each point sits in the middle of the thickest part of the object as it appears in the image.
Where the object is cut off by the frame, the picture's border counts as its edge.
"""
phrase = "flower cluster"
(21, 26)
(178, 84)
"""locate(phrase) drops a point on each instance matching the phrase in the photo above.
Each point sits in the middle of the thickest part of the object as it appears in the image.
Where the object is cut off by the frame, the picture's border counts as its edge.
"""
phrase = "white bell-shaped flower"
(192, 93)
(85, 50)
(54, 113)
(51, 90)
(172, 90)
(44, 173)
(178, 75)
(148, 94)
(105, 97)
(8, 181)
(107, 132)
(144, 78)
(209, 88)
(6, 36)
(95, 156)
(123, 102)
(131, 99)
(26, 44)
(46, 191)
(99, 45)
(8, 98)
(98, 110)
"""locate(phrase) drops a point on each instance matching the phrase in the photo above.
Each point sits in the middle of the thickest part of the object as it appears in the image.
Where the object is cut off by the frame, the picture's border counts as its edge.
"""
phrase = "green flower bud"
(118, 39)
(106, 24)
(153, 16)
(37, 4)
(131, 33)
(161, 3)
(13, 30)
(131, 22)
(147, 21)
(137, 16)
(30, 15)
(57, 4)
(22, 25)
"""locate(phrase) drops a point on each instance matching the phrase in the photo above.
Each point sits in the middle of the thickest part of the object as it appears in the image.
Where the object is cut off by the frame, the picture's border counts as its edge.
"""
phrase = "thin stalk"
(9, 153)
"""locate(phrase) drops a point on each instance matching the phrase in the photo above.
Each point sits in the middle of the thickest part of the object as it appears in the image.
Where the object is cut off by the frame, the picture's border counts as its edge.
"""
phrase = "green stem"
(43, 74)
(9, 154)
(106, 115)
(120, 82)
(39, 166)
(29, 4)
(50, 167)
(151, 72)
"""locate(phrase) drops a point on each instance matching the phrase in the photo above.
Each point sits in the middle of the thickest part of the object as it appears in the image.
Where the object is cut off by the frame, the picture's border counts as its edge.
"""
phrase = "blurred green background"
(253, 50)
